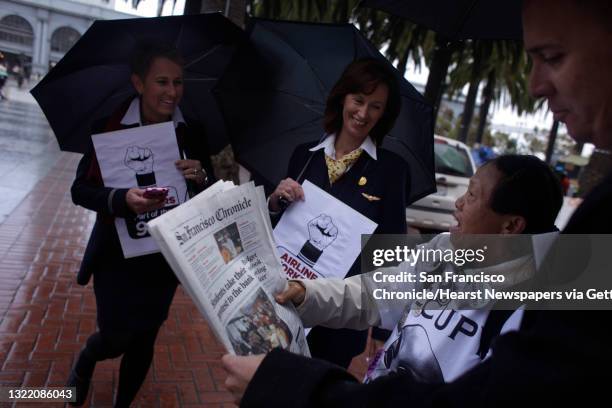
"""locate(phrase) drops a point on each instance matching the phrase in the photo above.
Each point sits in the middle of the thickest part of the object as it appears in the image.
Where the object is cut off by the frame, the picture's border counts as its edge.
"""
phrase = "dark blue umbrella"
(459, 19)
(273, 96)
(93, 78)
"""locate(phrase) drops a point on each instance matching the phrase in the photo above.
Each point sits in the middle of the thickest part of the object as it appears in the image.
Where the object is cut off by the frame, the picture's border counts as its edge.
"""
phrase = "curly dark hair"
(363, 76)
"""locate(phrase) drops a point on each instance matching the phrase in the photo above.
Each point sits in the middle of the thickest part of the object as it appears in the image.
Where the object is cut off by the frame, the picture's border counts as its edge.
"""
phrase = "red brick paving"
(45, 317)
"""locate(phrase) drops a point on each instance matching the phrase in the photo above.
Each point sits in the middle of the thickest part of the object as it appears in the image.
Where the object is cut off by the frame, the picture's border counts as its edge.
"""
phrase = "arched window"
(63, 39)
(16, 29)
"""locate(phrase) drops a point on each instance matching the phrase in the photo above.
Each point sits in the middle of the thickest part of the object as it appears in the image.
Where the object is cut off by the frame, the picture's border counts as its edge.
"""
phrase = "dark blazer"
(136, 292)
(385, 179)
(557, 358)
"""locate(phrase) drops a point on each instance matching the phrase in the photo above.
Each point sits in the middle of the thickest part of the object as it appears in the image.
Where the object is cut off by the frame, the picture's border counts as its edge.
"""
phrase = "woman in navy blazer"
(133, 295)
(361, 109)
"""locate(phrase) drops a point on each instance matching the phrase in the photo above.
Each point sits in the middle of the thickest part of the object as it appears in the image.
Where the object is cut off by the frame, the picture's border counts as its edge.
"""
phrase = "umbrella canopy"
(273, 98)
(93, 78)
(459, 19)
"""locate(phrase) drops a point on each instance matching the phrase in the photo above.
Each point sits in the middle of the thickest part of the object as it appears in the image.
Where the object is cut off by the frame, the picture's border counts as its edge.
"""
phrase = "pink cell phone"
(155, 192)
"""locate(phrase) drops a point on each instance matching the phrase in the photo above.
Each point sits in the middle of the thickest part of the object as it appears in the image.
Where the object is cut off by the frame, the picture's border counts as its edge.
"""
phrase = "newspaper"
(220, 246)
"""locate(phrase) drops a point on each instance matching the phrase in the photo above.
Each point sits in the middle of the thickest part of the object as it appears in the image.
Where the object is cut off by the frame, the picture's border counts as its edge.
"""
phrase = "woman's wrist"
(273, 207)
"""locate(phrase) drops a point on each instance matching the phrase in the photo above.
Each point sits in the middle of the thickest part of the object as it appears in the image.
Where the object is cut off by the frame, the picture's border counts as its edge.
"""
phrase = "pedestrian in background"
(3, 75)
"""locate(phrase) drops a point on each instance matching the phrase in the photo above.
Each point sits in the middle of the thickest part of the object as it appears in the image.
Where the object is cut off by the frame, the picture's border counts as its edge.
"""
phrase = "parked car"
(454, 167)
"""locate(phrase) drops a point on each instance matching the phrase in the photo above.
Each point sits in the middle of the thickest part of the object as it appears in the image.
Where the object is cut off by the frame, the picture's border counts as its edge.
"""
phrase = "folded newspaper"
(220, 246)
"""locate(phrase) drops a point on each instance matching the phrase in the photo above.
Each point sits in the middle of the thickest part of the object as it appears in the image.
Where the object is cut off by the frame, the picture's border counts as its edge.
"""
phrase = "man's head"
(569, 43)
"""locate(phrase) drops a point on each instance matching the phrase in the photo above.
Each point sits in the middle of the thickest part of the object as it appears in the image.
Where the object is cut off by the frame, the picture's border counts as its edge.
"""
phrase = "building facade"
(35, 34)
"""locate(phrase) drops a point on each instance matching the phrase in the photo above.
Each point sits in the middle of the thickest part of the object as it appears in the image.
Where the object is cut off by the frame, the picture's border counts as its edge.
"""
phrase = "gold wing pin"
(370, 197)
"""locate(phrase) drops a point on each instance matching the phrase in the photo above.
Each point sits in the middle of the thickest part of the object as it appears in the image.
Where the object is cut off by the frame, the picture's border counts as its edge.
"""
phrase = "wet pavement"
(27, 148)
(45, 317)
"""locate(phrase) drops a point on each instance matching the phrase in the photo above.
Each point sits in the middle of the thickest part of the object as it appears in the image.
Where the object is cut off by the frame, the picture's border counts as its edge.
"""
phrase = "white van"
(454, 167)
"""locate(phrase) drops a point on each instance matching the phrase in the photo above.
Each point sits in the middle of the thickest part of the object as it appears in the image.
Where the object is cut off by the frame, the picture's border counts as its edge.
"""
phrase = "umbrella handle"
(307, 164)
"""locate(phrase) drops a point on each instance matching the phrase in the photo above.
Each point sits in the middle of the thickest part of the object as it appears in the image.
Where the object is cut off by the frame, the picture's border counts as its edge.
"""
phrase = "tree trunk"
(578, 148)
(468, 110)
(437, 72)
(487, 97)
(403, 61)
(552, 138)
(470, 100)
(193, 7)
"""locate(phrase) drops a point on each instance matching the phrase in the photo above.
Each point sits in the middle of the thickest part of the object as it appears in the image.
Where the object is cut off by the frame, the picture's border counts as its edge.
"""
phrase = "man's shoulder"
(594, 215)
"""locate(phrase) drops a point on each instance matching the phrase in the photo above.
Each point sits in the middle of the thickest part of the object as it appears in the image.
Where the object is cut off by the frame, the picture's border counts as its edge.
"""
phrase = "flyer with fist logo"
(320, 236)
(141, 157)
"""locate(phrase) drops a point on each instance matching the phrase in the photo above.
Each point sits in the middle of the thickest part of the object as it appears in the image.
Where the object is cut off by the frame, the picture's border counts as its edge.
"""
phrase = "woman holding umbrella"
(350, 165)
(133, 295)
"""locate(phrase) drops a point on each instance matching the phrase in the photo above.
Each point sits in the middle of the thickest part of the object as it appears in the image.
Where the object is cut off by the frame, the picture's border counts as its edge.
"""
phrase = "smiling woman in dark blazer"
(351, 166)
(133, 295)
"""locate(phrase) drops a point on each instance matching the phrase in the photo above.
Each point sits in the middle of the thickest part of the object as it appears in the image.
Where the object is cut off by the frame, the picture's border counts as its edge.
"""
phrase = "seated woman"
(509, 195)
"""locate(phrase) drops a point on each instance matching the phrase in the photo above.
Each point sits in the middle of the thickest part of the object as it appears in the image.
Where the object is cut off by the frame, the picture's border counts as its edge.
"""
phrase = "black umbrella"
(92, 79)
(459, 19)
(273, 97)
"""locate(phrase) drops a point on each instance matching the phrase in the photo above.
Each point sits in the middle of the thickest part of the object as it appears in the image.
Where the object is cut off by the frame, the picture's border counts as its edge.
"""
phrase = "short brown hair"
(146, 52)
(363, 76)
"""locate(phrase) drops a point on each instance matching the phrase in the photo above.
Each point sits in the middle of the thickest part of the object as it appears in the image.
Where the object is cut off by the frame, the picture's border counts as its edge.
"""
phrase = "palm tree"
(485, 104)
(335, 11)
(480, 51)
(504, 66)
(407, 41)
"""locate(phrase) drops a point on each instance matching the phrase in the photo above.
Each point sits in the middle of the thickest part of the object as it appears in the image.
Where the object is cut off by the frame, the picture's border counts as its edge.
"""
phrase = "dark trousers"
(137, 349)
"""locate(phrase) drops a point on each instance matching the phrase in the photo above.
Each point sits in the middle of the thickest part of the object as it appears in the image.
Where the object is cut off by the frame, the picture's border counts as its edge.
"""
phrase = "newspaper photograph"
(220, 246)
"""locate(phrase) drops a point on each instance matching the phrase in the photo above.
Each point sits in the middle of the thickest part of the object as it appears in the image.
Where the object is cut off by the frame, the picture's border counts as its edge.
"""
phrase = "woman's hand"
(240, 372)
(192, 170)
(288, 189)
(138, 203)
(295, 293)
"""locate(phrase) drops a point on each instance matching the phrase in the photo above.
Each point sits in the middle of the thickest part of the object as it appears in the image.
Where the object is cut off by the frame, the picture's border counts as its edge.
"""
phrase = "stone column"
(36, 64)
(42, 43)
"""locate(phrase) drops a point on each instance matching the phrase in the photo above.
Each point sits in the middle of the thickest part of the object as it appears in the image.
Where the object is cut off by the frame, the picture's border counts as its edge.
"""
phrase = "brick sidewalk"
(45, 317)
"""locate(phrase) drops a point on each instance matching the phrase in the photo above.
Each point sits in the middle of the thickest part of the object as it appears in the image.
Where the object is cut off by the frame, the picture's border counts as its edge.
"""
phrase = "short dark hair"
(363, 76)
(529, 188)
(600, 10)
(145, 53)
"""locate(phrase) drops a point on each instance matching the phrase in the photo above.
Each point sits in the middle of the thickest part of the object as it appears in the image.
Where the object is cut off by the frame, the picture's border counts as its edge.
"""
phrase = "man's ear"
(137, 82)
(514, 224)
